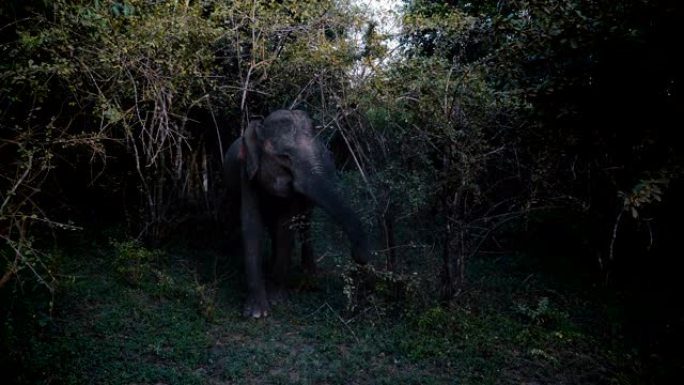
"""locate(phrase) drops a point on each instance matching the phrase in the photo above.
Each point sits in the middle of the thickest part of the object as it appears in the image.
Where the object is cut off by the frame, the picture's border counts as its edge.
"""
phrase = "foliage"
(105, 330)
(380, 291)
(543, 312)
(549, 88)
(133, 261)
(643, 193)
(490, 121)
(128, 96)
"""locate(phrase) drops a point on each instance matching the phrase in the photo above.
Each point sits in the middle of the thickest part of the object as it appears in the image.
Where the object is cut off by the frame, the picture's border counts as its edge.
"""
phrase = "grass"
(127, 315)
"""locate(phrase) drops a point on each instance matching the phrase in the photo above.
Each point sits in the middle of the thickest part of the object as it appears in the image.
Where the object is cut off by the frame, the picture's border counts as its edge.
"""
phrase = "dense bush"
(126, 107)
(546, 125)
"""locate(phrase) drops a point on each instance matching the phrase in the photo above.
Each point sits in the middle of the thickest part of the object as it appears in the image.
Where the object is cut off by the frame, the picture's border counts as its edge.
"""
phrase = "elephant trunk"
(320, 189)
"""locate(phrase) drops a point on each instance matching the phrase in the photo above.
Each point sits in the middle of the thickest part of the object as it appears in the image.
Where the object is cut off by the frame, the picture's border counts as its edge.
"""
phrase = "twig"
(339, 317)
(612, 239)
(19, 182)
(356, 160)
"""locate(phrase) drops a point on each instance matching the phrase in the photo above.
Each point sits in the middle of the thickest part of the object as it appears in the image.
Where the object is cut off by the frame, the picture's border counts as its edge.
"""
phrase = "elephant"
(280, 171)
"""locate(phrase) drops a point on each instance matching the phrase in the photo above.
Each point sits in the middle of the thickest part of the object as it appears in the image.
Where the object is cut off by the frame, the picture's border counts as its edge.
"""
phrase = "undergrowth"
(128, 314)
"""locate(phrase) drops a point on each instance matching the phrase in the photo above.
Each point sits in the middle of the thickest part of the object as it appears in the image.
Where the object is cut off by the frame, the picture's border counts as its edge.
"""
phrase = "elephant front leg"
(252, 230)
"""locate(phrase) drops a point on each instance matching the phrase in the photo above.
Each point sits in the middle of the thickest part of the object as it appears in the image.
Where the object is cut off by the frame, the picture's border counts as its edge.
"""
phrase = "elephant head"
(282, 155)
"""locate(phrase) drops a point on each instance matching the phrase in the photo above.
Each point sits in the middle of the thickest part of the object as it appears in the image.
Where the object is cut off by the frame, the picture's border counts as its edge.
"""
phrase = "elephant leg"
(283, 243)
(252, 232)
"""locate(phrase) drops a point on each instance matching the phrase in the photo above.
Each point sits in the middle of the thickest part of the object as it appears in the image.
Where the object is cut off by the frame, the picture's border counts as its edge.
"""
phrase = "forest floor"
(128, 315)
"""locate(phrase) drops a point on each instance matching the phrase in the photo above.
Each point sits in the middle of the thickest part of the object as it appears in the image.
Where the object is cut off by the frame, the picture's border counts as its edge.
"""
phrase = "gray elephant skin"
(280, 170)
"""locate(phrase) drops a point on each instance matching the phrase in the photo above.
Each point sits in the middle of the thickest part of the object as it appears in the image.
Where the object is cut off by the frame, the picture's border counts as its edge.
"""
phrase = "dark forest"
(514, 166)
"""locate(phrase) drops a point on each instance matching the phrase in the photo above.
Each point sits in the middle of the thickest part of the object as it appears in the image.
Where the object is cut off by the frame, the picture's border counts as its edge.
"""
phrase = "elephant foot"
(256, 307)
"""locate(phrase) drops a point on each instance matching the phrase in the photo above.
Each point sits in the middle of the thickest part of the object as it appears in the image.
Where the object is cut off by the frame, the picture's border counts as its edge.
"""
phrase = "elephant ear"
(251, 151)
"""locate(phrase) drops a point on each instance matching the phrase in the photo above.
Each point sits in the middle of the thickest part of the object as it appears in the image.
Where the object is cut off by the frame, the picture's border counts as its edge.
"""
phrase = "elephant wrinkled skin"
(280, 170)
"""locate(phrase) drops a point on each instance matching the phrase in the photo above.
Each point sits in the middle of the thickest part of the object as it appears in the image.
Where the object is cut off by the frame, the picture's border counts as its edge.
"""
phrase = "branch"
(19, 182)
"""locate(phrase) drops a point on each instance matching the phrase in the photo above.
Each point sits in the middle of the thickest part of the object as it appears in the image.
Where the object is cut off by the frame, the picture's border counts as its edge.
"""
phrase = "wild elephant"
(280, 170)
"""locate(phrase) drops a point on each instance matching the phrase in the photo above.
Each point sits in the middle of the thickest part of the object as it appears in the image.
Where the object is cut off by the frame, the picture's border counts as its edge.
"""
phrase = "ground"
(135, 316)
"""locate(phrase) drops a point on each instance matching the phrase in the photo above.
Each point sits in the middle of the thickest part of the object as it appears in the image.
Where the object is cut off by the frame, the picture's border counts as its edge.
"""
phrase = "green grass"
(133, 316)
